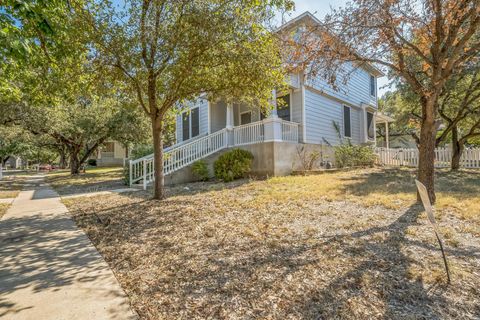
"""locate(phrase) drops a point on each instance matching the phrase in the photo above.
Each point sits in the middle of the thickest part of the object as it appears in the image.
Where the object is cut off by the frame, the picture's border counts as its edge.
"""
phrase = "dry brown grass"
(3, 208)
(11, 185)
(95, 179)
(288, 248)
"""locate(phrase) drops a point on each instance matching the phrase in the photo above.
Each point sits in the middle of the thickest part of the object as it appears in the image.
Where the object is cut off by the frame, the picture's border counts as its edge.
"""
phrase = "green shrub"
(232, 165)
(92, 162)
(200, 170)
(348, 155)
(141, 150)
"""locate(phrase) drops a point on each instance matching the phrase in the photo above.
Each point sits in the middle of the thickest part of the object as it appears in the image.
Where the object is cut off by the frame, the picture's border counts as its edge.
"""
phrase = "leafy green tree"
(173, 51)
(13, 142)
(460, 109)
(82, 127)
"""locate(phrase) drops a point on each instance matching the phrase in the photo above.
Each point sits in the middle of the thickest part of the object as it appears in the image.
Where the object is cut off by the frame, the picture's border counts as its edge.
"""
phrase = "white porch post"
(229, 120)
(229, 125)
(387, 143)
(273, 124)
(274, 113)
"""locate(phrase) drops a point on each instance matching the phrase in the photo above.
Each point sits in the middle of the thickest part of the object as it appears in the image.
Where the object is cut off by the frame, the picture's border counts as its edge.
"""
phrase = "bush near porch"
(347, 245)
(234, 164)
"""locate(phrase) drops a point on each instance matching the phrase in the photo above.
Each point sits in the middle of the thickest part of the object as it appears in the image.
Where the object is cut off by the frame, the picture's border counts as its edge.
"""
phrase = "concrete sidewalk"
(49, 269)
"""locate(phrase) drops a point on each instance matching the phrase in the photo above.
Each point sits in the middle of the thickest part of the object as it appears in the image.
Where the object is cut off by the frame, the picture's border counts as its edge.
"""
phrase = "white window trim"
(343, 121)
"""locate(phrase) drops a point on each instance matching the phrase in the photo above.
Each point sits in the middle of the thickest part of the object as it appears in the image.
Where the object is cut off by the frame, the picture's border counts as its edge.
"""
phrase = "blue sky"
(320, 8)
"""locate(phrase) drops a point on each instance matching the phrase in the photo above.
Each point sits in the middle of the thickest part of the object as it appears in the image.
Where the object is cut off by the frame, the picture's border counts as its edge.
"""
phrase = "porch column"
(387, 143)
(273, 124)
(274, 112)
(229, 124)
(229, 120)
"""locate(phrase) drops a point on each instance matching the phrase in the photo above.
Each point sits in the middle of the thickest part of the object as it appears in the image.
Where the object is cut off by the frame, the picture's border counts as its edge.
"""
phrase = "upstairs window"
(347, 126)
(109, 147)
(373, 86)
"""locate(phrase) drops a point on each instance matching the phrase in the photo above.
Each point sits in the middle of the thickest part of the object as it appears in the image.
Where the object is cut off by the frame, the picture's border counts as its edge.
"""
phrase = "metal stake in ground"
(429, 210)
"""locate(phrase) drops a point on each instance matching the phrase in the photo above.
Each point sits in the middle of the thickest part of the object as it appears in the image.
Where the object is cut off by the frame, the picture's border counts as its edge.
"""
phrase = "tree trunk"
(63, 160)
(157, 131)
(75, 162)
(457, 149)
(426, 161)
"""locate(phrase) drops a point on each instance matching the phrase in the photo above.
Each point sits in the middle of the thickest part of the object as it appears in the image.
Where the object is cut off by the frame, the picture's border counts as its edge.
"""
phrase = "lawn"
(347, 245)
(94, 179)
(11, 184)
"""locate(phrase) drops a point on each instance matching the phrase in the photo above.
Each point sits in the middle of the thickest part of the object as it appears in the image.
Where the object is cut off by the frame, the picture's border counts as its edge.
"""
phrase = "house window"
(370, 126)
(283, 107)
(373, 86)
(190, 124)
(185, 126)
(347, 126)
(109, 147)
(195, 122)
(246, 117)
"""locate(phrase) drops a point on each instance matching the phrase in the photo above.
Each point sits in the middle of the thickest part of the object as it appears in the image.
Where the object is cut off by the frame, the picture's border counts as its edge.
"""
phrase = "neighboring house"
(303, 114)
(15, 163)
(112, 153)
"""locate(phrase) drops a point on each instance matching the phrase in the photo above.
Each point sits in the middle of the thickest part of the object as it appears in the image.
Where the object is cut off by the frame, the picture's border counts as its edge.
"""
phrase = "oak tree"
(423, 42)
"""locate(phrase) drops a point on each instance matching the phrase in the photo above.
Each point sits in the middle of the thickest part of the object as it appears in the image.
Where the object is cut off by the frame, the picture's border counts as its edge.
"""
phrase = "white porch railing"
(289, 131)
(249, 133)
(443, 156)
(183, 154)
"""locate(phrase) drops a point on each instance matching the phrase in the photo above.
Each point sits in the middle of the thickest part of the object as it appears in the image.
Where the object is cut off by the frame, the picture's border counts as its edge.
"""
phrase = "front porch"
(244, 123)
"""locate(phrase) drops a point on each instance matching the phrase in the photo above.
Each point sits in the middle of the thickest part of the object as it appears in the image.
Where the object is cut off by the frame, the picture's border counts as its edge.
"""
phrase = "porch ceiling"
(382, 118)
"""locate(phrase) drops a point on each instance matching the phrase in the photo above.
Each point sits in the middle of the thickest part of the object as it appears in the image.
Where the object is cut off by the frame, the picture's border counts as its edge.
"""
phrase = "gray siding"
(218, 116)
(320, 113)
(356, 91)
(297, 111)
(202, 104)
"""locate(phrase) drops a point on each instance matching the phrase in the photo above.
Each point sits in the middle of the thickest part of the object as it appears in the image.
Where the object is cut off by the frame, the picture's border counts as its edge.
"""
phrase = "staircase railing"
(177, 157)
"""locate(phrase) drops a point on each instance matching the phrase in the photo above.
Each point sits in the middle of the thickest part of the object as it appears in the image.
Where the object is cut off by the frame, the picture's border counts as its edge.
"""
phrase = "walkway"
(49, 269)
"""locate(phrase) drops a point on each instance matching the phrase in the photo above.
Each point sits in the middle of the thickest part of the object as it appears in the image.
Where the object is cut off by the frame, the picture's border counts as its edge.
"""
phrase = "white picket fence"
(409, 157)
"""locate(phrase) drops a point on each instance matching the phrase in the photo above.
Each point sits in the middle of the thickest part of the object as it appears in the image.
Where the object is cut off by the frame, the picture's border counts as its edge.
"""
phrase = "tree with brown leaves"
(423, 42)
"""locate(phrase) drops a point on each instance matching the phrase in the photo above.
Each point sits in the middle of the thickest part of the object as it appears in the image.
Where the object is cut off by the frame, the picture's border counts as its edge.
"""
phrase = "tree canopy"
(169, 52)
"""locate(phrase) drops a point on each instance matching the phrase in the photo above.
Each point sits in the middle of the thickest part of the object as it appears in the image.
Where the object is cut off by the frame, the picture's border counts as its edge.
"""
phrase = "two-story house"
(305, 116)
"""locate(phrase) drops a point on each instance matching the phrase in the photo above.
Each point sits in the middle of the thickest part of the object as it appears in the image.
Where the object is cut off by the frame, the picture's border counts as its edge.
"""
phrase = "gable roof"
(309, 18)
